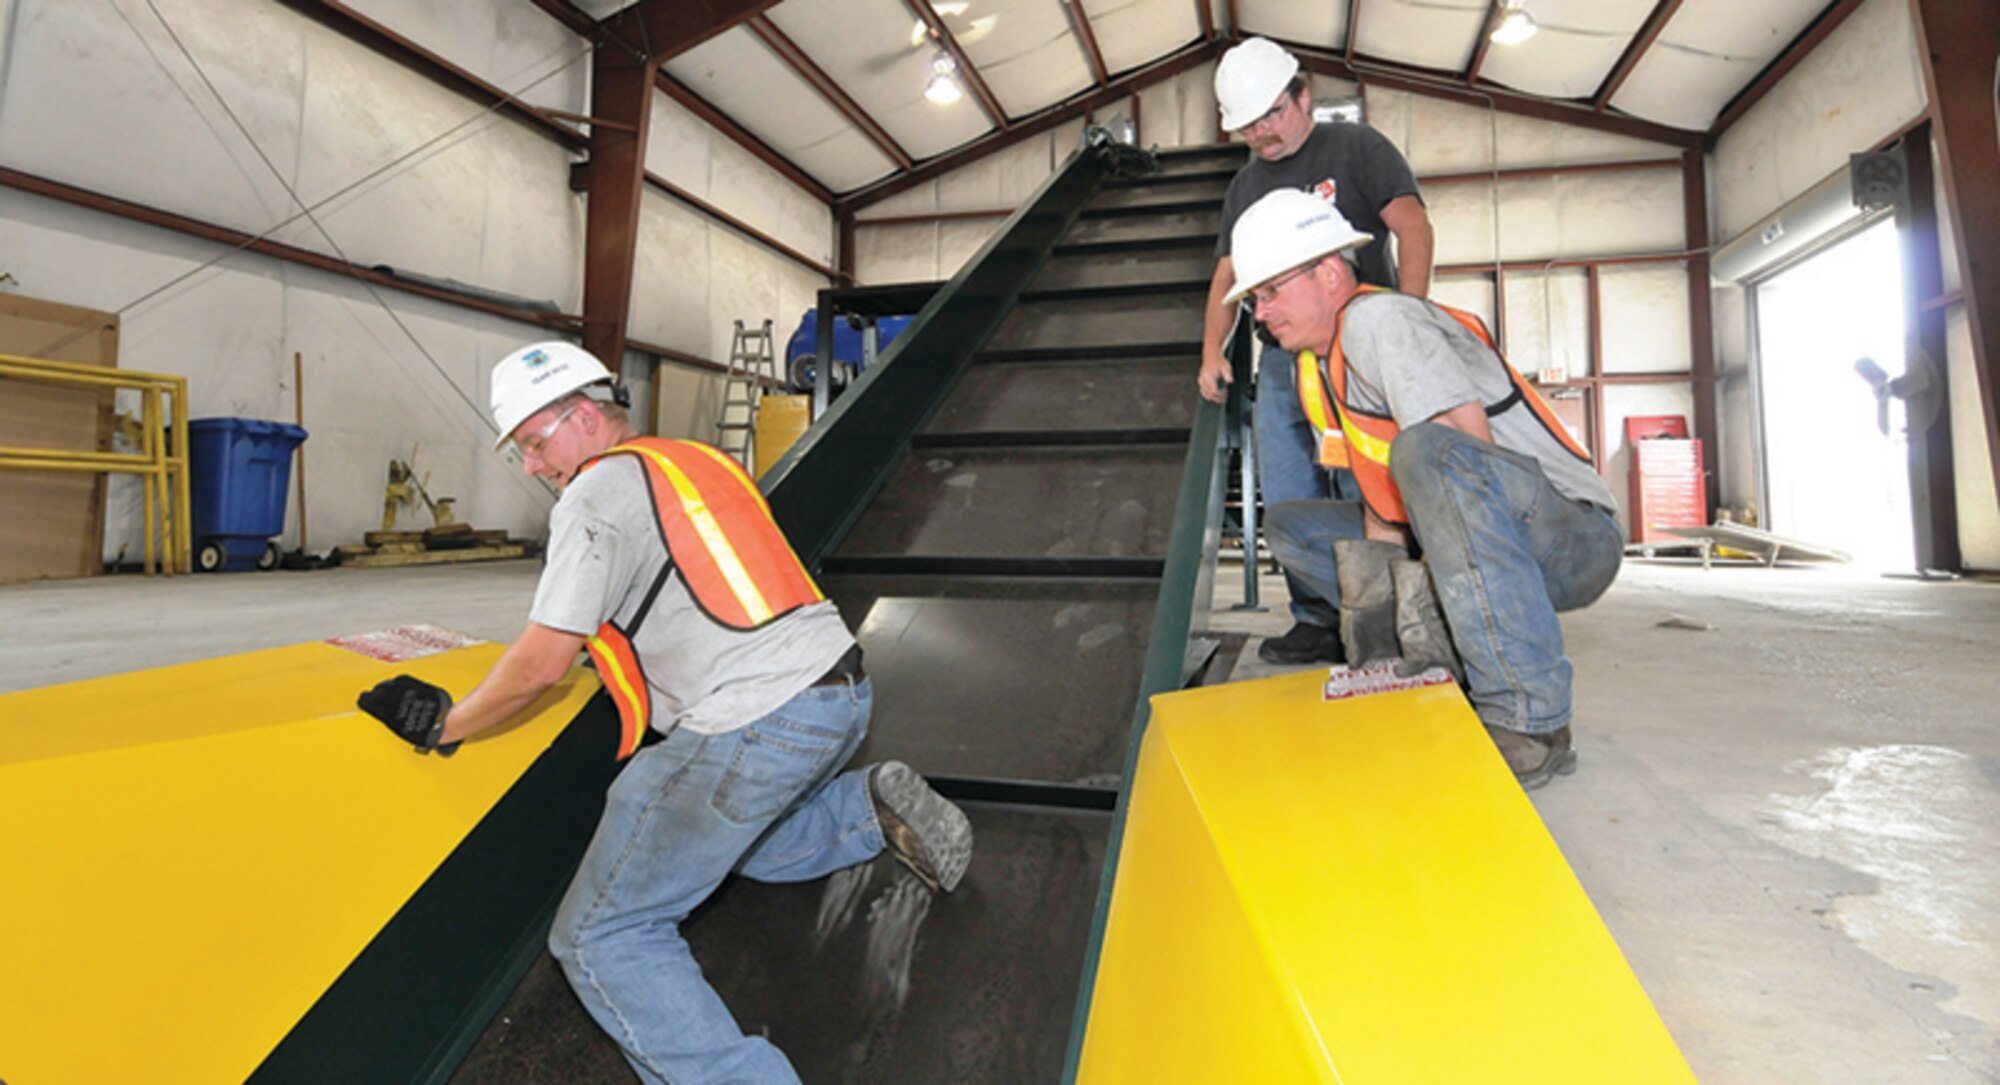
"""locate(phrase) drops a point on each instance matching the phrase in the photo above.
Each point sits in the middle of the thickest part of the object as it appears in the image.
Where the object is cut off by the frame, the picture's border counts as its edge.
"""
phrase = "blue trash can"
(239, 470)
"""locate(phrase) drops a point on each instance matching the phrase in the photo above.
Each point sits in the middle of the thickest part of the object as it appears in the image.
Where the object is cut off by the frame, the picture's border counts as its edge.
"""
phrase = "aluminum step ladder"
(752, 367)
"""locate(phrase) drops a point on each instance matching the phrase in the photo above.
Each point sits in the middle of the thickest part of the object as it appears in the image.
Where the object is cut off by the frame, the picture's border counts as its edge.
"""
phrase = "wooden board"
(384, 558)
(55, 519)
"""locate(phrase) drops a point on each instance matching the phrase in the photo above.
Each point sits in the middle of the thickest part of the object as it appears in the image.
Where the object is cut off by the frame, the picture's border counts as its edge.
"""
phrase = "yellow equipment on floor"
(192, 855)
(1356, 892)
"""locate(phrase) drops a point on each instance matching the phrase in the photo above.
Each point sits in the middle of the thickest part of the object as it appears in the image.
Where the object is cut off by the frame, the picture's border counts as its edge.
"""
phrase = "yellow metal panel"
(1394, 894)
(193, 854)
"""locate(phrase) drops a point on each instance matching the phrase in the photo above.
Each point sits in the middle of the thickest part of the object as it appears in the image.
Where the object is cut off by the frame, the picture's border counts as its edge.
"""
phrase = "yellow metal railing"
(162, 464)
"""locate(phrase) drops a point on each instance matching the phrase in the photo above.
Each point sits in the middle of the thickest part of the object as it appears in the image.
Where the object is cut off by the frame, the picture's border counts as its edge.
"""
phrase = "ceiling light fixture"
(942, 87)
(1516, 25)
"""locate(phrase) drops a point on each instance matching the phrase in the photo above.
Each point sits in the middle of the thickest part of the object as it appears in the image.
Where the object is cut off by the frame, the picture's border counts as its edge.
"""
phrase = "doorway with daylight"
(1836, 457)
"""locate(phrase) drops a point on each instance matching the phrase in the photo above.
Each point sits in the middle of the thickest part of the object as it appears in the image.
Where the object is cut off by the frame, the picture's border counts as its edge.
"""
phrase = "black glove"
(412, 708)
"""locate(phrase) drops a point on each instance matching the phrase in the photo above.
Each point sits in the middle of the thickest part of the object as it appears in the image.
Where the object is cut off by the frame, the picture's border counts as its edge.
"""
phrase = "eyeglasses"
(1268, 293)
(530, 444)
(1270, 116)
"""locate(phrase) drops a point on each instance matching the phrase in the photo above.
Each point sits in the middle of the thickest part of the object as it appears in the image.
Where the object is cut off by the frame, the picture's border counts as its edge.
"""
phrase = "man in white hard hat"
(1457, 457)
(1263, 98)
(712, 639)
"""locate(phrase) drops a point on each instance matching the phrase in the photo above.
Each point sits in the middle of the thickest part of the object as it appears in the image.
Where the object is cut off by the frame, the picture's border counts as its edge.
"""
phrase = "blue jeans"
(1507, 552)
(763, 801)
(1288, 467)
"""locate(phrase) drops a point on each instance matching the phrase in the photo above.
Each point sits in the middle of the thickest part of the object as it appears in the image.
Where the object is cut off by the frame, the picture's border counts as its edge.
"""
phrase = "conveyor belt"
(1000, 508)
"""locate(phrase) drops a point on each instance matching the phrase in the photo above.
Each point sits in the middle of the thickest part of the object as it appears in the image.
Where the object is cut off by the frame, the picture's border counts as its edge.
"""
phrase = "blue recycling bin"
(238, 471)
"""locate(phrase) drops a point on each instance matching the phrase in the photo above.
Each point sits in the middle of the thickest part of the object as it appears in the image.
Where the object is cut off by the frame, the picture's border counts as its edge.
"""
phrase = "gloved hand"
(1367, 598)
(1420, 627)
(412, 708)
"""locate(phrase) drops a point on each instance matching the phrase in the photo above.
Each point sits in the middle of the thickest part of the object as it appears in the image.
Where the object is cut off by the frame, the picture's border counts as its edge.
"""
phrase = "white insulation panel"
(739, 75)
(1644, 308)
(1862, 84)
(1134, 33)
(1288, 20)
(1978, 498)
(1548, 321)
(1548, 218)
(1709, 51)
(516, 47)
(1028, 54)
(1472, 293)
(683, 149)
(1580, 42)
(867, 48)
(1450, 137)
(1424, 33)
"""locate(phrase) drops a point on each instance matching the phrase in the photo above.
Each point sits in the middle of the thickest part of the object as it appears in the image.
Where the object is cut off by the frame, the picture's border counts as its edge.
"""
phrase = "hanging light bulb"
(1516, 25)
(942, 87)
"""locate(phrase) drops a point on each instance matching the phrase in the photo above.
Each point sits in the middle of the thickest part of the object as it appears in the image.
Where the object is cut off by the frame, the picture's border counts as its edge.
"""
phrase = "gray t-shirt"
(605, 551)
(1410, 360)
(1354, 165)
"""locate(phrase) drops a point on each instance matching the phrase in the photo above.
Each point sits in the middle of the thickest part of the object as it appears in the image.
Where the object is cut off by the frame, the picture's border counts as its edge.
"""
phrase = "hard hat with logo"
(1285, 229)
(1249, 79)
(537, 375)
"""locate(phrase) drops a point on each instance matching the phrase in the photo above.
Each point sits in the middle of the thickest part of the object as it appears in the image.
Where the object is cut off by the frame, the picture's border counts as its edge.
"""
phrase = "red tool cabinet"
(1668, 487)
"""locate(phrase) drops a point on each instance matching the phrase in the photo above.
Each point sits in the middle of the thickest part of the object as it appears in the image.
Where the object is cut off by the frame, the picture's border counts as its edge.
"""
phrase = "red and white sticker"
(1379, 676)
(403, 643)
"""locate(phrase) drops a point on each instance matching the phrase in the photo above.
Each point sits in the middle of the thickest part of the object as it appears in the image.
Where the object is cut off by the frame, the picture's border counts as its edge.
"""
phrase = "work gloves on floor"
(1389, 609)
(412, 708)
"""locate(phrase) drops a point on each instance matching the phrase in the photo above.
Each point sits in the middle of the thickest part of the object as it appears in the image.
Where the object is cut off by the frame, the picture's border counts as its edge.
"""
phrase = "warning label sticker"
(1378, 676)
(403, 643)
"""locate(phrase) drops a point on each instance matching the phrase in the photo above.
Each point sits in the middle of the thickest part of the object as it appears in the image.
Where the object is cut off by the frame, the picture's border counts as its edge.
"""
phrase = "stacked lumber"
(451, 543)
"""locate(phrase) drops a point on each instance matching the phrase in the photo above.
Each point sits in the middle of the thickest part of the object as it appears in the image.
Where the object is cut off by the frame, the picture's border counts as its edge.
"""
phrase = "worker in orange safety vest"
(1481, 516)
(713, 641)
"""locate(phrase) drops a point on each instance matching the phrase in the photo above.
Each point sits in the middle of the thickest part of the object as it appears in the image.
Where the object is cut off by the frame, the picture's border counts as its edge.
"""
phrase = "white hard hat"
(1249, 79)
(534, 377)
(1285, 229)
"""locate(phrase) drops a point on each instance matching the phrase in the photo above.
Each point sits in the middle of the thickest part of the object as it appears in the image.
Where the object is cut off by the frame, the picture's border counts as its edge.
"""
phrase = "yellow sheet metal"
(191, 855)
(1356, 892)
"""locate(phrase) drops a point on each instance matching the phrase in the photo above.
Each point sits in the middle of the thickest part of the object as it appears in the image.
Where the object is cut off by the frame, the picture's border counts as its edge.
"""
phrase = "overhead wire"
(306, 210)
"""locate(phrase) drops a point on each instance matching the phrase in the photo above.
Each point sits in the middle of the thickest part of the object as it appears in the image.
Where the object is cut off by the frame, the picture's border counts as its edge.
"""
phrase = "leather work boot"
(1304, 643)
(925, 830)
(1535, 759)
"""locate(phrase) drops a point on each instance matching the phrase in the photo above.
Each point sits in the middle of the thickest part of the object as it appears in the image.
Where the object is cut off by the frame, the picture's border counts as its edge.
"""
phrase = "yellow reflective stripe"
(1369, 445)
(1311, 393)
(607, 660)
(714, 538)
(735, 471)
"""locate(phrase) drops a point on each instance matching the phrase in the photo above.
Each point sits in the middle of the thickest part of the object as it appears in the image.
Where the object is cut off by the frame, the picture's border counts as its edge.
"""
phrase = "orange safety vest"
(720, 536)
(1367, 436)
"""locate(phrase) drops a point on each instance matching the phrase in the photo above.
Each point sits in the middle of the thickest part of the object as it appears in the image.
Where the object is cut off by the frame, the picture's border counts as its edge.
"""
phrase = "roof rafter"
(1207, 18)
(796, 58)
(1167, 67)
(1649, 32)
(1479, 48)
(1444, 85)
(658, 30)
(722, 122)
(966, 71)
(1353, 28)
(1081, 21)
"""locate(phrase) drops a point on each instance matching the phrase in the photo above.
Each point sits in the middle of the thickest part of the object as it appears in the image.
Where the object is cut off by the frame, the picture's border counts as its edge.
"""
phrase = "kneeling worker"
(1455, 452)
(664, 561)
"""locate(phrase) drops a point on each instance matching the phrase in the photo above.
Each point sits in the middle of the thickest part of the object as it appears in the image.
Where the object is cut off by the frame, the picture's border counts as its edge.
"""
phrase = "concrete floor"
(1788, 810)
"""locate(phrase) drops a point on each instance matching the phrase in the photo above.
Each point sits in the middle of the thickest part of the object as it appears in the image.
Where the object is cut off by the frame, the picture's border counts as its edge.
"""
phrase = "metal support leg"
(1246, 444)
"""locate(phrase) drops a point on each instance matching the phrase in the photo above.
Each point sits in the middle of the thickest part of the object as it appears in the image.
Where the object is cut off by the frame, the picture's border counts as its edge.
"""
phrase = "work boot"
(1535, 759)
(1304, 643)
(1420, 627)
(1367, 598)
(924, 829)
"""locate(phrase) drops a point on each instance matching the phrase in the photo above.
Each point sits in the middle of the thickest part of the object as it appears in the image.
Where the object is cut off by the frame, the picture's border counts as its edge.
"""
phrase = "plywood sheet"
(55, 521)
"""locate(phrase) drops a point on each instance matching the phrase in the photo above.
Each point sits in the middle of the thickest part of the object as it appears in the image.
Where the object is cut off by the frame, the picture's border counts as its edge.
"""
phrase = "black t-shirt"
(1354, 163)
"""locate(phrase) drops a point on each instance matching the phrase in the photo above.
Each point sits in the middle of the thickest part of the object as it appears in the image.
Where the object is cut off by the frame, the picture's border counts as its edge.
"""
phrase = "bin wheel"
(211, 556)
(270, 557)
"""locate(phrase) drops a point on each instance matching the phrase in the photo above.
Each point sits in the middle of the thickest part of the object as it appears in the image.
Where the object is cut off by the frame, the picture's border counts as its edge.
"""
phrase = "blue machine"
(802, 363)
